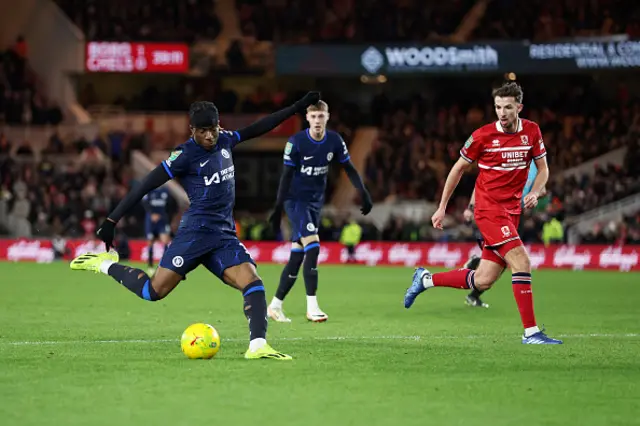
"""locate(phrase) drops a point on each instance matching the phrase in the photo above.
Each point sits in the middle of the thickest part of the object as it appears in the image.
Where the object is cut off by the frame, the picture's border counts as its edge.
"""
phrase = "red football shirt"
(503, 159)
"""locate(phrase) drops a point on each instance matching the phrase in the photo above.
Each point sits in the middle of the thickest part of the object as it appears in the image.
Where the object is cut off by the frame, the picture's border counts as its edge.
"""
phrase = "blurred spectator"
(88, 224)
(5, 145)
(350, 238)
(552, 232)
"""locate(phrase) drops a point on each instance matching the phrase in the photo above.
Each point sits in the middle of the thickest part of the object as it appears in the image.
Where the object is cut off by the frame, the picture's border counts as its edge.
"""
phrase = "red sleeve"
(472, 147)
(539, 150)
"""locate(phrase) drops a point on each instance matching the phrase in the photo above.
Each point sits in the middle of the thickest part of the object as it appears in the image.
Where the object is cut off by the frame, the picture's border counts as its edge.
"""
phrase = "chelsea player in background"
(156, 222)
(307, 156)
(206, 234)
(473, 298)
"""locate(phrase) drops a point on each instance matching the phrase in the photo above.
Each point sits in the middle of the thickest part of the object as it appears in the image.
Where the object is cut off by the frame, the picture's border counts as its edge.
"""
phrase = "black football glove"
(367, 204)
(310, 98)
(107, 233)
(275, 219)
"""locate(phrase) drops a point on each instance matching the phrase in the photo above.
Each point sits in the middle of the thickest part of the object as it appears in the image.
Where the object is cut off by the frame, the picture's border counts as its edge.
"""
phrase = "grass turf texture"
(78, 349)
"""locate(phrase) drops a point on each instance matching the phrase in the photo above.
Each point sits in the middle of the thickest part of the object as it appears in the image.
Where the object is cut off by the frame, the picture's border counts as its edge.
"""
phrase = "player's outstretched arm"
(154, 179)
(538, 187)
(356, 181)
(271, 121)
(453, 179)
(468, 213)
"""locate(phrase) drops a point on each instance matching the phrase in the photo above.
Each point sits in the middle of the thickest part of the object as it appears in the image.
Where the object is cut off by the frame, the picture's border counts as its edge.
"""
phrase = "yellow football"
(200, 341)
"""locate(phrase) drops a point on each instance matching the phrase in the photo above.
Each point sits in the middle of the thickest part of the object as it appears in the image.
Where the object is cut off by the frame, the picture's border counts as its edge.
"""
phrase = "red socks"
(464, 279)
(524, 297)
(460, 278)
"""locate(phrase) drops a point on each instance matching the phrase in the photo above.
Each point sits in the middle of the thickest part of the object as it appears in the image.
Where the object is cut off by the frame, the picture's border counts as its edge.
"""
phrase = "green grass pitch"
(78, 349)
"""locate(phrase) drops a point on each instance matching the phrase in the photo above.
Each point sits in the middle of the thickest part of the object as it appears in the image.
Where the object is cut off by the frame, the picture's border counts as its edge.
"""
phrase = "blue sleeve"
(341, 150)
(533, 172)
(291, 155)
(177, 164)
(232, 136)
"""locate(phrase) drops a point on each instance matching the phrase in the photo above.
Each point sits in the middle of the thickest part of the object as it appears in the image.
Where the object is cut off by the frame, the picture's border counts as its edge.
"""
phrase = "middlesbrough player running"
(156, 221)
(503, 150)
(206, 235)
(473, 298)
(307, 156)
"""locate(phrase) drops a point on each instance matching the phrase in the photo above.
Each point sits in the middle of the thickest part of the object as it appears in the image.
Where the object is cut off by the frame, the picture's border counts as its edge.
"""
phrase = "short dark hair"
(203, 114)
(512, 89)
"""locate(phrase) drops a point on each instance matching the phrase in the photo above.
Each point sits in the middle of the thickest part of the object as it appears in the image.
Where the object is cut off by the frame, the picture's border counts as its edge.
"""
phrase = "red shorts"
(500, 233)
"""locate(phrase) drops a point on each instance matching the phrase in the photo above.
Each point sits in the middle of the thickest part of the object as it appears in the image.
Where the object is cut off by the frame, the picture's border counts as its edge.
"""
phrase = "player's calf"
(310, 273)
(133, 279)
(150, 241)
(289, 273)
(139, 283)
(520, 265)
(287, 280)
(245, 278)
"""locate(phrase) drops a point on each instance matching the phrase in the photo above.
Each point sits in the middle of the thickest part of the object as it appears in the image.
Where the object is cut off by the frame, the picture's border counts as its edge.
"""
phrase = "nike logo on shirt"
(202, 164)
(308, 158)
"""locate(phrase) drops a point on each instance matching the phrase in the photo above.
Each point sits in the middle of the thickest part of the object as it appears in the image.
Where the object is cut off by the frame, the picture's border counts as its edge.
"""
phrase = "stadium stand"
(543, 20)
(21, 99)
(135, 20)
(420, 139)
(350, 21)
(68, 187)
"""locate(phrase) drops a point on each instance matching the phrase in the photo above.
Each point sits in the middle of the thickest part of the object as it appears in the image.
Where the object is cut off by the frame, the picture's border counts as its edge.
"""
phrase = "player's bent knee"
(240, 276)
(484, 282)
(487, 274)
(296, 246)
(310, 239)
(164, 281)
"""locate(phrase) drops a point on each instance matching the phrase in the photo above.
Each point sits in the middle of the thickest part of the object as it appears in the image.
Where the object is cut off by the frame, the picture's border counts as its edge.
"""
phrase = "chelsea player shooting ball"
(200, 341)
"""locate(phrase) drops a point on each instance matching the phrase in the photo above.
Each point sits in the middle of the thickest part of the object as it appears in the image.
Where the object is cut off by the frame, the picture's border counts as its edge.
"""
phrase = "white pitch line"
(325, 338)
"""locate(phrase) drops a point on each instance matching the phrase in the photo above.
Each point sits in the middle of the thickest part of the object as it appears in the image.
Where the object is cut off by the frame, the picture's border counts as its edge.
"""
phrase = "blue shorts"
(189, 249)
(153, 229)
(304, 218)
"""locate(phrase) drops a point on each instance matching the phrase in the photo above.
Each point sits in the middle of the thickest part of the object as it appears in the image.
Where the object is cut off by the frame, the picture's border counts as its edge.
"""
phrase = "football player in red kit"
(504, 151)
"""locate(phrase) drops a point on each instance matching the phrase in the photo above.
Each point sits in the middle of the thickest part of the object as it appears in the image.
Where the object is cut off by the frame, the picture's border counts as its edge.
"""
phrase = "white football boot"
(277, 314)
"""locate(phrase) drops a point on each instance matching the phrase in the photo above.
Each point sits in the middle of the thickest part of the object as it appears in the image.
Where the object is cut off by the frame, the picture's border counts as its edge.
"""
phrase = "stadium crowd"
(420, 137)
(541, 20)
(75, 184)
(70, 189)
(21, 99)
(358, 21)
(137, 20)
(353, 21)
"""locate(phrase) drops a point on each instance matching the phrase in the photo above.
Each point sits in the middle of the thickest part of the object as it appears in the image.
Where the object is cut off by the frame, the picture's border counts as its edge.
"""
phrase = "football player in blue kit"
(156, 221)
(473, 298)
(206, 234)
(307, 156)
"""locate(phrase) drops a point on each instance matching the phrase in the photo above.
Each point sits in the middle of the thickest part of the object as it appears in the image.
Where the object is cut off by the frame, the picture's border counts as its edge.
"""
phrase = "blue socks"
(135, 280)
(255, 309)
